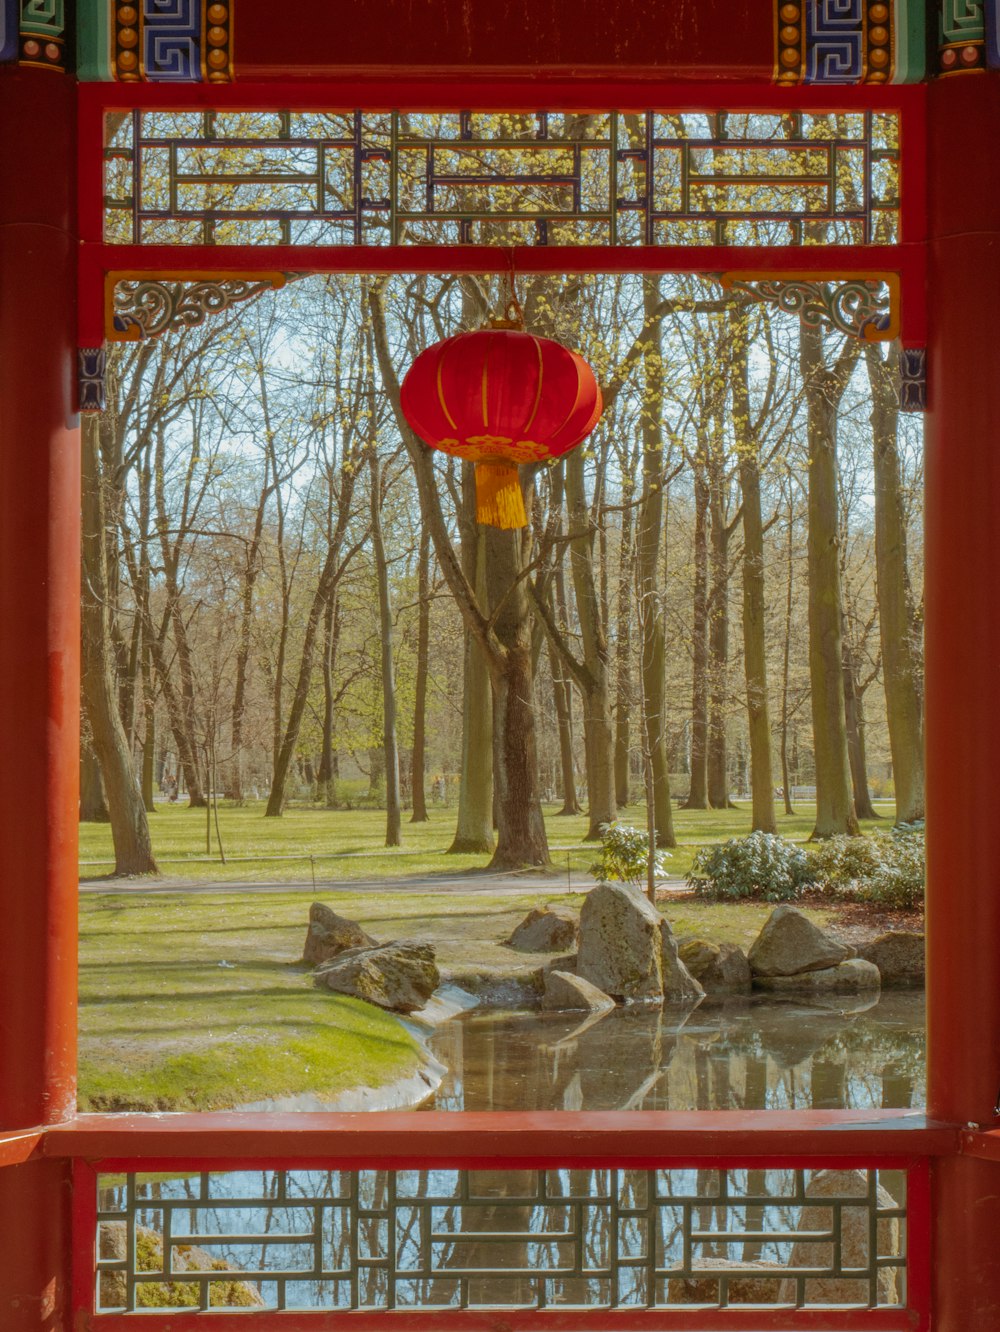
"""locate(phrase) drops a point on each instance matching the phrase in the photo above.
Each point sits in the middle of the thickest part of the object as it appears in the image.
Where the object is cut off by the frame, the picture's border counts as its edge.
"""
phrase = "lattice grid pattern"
(353, 178)
(611, 1239)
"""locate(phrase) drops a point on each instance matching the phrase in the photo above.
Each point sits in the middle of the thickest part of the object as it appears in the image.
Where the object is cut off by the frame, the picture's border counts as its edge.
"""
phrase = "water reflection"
(757, 1053)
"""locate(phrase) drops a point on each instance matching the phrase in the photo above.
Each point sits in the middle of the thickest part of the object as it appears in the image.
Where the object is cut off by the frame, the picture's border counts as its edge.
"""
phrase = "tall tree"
(503, 635)
(898, 622)
(419, 761)
(129, 825)
(824, 388)
(745, 430)
(390, 744)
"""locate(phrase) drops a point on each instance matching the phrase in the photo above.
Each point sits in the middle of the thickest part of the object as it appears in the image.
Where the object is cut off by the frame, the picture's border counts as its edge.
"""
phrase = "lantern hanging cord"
(513, 314)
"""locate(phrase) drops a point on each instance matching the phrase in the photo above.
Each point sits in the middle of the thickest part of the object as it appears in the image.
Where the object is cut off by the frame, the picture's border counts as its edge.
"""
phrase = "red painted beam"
(16, 1148)
(983, 1146)
(687, 38)
(552, 1319)
(436, 91)
(499, 1140)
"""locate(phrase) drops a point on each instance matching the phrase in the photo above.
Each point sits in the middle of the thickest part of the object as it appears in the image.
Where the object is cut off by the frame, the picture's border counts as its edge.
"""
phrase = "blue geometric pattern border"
(993, 33)
(850, 41)
(9, 30)
(156, 41)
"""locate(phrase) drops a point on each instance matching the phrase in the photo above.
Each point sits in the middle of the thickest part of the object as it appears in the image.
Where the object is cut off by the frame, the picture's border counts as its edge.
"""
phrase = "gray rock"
(398, 976)
(330, 935)
(566, 991)
(620, 943)
(759, 1283)
(790, 944)
(899, 956)
(718, 968)
(546, 930)
(854, 1240)
(855, 976)
(679, 986)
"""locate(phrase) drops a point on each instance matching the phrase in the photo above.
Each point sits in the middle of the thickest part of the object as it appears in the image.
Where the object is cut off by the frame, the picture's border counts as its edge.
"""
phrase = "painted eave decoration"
(156, 41)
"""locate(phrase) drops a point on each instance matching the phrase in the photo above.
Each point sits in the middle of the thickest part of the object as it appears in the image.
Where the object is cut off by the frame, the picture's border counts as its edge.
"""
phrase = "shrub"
(624, 852)
(762, 866)
(887, 868)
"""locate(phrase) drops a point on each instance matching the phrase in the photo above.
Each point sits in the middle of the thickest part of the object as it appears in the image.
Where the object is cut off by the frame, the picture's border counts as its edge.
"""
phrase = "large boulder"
(546, 930)
(173, 1292)
(759, 1283)
(718, 968)
(564, 991)
(398, 976)
(329, 935)
(820, 1217)
(620, 943)
(899, 956)
(855, 976)
(790, 944)
(679, 986)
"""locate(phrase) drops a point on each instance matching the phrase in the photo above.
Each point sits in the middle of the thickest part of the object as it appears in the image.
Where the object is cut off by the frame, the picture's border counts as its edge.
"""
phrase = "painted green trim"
(911, 41)
(93, 41)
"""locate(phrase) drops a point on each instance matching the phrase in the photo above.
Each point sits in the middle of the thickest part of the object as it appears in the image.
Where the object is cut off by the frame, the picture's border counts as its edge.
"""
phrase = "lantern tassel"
(499, 502)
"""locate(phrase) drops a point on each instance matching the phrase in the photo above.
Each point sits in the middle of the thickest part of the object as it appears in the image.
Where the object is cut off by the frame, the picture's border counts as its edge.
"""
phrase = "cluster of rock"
(400, 976)
(767, 1282)
(626, 952)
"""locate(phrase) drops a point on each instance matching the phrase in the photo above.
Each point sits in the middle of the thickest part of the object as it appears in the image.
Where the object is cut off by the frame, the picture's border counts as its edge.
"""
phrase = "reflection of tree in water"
(739, 1054)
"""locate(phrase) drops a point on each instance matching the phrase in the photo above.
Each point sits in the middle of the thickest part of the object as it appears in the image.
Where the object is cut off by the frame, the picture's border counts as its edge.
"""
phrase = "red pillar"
(39, 676)
(963, 684)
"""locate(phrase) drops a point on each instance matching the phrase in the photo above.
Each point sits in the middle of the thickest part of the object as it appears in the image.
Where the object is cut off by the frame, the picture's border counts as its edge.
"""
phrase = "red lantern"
(500, 397)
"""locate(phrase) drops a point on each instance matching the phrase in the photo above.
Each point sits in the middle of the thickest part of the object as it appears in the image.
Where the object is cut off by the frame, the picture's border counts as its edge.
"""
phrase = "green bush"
(763, 866)
(887, 868)
(624, 853)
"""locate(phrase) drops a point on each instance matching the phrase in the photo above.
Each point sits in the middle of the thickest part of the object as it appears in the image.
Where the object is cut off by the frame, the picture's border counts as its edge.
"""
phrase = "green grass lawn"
(165, 1026)
(349, 844)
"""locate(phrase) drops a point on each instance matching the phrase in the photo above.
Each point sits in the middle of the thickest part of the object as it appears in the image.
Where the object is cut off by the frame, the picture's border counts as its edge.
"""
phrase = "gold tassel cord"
(499, 502)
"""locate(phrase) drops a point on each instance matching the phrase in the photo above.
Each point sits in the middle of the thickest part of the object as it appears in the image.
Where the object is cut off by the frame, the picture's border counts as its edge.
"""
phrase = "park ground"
(192, 990)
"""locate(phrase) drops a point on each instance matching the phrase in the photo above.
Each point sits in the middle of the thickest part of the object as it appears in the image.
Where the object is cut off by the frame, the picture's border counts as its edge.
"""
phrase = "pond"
(748, 1053)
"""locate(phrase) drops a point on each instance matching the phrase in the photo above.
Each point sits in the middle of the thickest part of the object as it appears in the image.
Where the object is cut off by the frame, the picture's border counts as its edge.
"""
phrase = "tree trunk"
(93, 806)
(854, 718)
(474, 825)
(623, 644)
(418, 765)
(598, 733)
(649, 541)
(390, 747)
(786, 661)
(902, 671)
(326, 778)
(824, 388)
(718, 629)
(754, 641)
(129, 825)
(521, 836)
(562, 692)
(698, 789)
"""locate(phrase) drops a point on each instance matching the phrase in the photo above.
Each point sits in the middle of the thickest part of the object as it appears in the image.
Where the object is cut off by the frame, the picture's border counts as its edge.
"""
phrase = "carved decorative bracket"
(140, 307)
(858, 307)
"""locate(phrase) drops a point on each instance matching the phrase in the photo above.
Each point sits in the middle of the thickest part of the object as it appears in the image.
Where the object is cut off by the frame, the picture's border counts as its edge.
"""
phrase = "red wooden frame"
(97, 259)
(842, 1140)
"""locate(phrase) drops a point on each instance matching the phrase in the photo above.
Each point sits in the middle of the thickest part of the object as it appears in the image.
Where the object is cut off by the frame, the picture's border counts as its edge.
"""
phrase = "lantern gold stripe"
(538, 395)
(440, 391)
